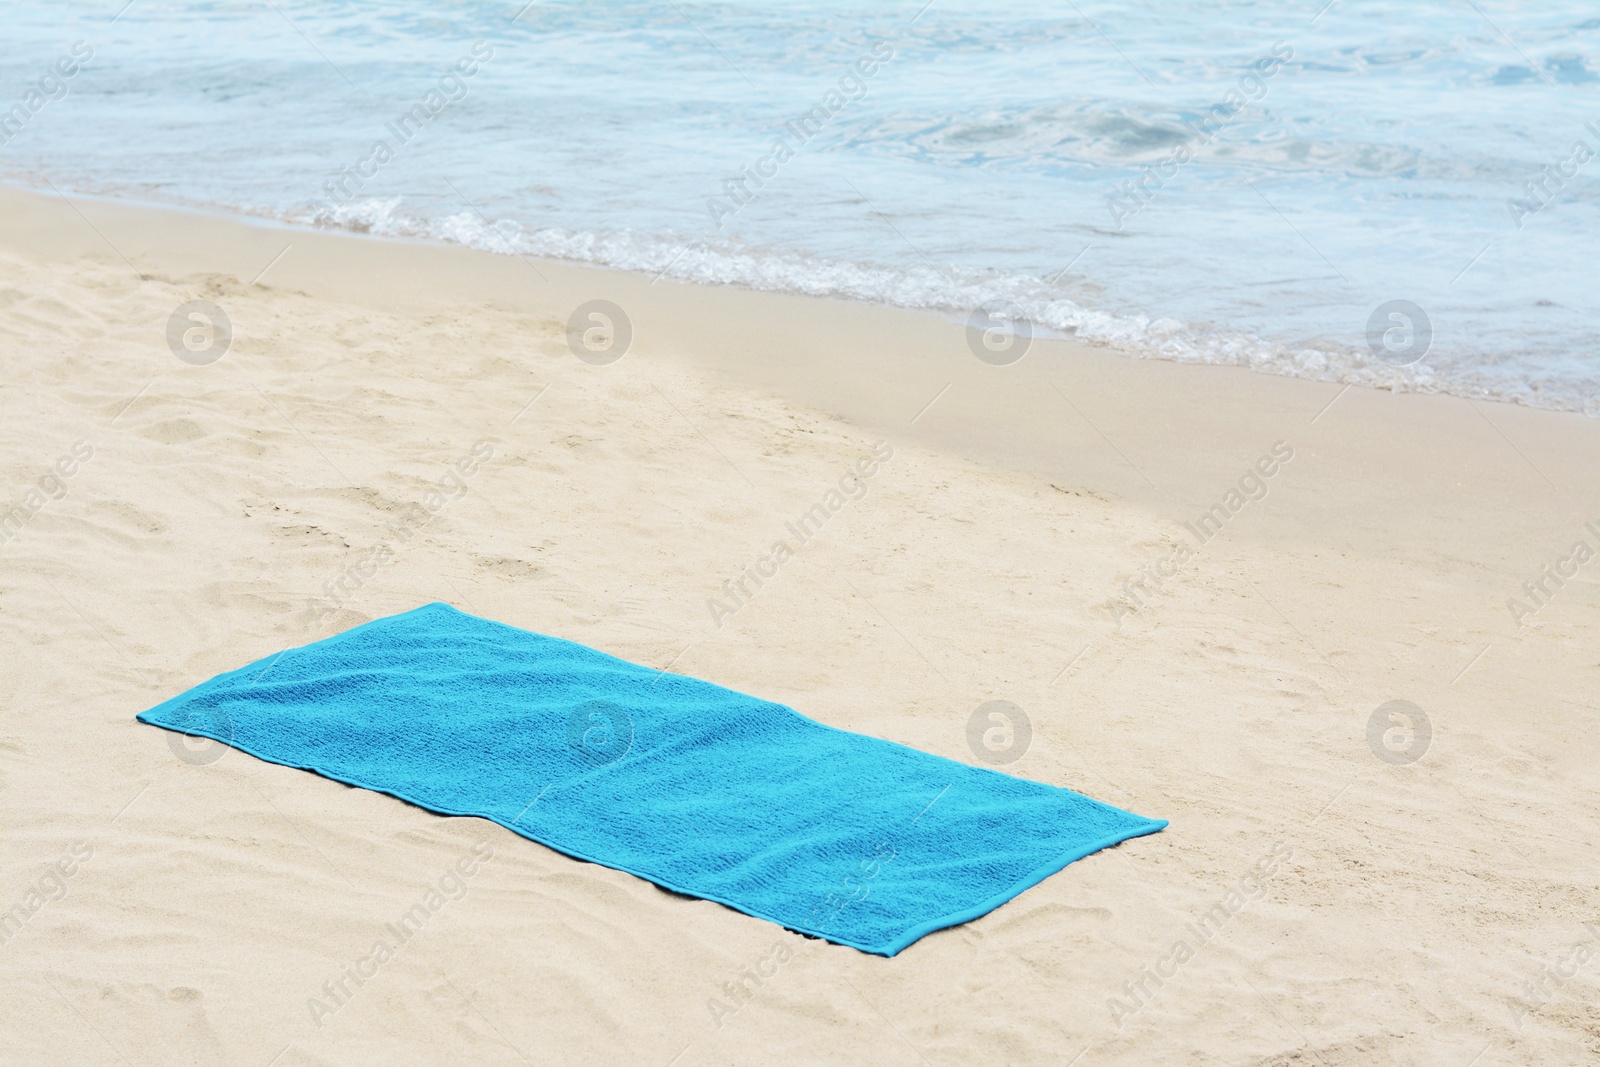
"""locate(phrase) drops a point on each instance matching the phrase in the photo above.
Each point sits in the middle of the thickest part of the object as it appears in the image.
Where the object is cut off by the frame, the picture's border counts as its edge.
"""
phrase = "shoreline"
(1332, 363)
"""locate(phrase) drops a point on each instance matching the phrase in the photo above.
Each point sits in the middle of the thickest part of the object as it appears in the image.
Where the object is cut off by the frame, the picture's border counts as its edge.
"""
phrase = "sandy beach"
(1199, 583)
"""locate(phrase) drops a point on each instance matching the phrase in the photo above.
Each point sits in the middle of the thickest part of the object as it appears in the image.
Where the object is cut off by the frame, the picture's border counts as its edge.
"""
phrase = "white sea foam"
(1050, 310)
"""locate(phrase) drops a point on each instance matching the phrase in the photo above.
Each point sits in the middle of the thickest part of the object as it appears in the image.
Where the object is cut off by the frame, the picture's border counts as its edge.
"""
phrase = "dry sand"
(1430, 912)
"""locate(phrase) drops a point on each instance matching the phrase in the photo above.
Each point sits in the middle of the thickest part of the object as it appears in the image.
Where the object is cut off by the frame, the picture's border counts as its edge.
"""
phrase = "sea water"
(1401, 194)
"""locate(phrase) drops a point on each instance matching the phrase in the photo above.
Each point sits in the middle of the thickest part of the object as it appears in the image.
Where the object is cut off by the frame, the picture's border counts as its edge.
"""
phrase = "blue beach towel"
(699, 789)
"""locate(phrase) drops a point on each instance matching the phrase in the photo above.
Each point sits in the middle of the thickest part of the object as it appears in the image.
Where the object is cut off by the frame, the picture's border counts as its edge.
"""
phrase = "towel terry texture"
(697, 788)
